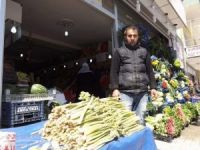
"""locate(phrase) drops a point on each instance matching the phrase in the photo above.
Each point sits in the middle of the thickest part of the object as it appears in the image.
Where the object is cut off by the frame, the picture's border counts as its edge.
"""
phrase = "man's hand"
(154, 93)
(116, 93)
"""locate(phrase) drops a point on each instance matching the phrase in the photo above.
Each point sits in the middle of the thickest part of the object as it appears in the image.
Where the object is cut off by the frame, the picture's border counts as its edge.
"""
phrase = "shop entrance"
(56, 39)
(51, 44)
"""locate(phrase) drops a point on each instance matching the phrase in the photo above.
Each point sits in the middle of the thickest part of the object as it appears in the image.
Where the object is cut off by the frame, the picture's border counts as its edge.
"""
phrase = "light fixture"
(54, 69)
(66, 33)
(13, 29)
(67, 24)
(138, 6)
(109, 56)
(21, 55)
(76, 63)
(91, 60)
(64, 66)
(175, 24)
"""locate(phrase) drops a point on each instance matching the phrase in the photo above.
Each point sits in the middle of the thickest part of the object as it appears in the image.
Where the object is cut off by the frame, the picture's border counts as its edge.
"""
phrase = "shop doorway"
(55, 40)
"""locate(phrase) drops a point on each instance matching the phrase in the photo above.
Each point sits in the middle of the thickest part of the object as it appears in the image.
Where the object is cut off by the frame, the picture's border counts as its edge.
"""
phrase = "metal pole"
(2, 26)
(115, 27)
(185, 60)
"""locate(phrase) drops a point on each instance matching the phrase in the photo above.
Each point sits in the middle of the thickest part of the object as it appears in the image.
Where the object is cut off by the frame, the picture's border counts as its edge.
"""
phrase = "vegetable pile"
(170, 109)
(172, 84)
(90, 123)
(38, 89)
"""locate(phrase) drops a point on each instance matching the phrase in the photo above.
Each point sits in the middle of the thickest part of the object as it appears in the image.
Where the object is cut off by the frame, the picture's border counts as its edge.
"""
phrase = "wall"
(2, 24)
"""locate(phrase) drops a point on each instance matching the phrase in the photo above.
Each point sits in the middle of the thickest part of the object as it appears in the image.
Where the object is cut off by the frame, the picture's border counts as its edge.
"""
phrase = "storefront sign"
(193, 51)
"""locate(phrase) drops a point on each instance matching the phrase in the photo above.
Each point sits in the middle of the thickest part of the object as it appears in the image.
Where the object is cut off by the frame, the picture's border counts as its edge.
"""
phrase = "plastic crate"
(21, 112)
(27, 97)
(195, 99)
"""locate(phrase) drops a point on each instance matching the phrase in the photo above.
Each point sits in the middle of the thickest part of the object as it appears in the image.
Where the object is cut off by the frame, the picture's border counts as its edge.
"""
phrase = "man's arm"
(114, 72)
(152, 80)
(150, 72)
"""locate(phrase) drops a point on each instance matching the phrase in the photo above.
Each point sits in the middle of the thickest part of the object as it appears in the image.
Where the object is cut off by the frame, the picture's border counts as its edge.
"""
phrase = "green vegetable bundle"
(90, 123)
(22, 76)
(197, 105)
(161, 124)
(177, 63)
(192, 108)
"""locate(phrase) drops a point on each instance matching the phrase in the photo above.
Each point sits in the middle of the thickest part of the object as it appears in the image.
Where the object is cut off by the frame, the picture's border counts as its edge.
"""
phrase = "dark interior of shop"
(48, 44)
(43, 48)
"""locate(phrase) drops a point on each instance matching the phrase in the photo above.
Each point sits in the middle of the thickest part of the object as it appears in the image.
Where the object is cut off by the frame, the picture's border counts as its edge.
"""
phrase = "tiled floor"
(189, 140)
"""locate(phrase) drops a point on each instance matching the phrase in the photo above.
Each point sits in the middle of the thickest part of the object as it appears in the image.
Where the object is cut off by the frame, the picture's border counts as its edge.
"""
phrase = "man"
(86, 81)
(131, 73)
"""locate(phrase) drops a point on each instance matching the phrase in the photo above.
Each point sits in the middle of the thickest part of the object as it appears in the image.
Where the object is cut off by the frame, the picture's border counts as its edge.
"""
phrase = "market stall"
(93, 123)
(54, 59)
(28, 136)
(174, 106)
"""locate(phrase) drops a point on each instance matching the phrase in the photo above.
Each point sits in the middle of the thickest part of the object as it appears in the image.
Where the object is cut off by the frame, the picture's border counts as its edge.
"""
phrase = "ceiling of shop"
(175, 16)
(42, 17)
(38, 54)
(43, 42)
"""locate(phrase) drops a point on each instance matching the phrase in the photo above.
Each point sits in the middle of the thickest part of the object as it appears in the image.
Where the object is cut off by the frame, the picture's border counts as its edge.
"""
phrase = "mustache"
(131, 42)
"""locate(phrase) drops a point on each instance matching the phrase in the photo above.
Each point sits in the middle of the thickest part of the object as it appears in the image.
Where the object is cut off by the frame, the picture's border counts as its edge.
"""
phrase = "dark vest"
(132, 73)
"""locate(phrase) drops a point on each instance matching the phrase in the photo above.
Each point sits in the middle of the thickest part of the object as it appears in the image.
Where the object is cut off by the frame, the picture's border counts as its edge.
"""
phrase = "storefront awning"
(175, 11)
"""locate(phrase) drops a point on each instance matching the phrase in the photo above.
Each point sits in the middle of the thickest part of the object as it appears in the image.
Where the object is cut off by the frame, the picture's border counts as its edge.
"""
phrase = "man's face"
(131, 37)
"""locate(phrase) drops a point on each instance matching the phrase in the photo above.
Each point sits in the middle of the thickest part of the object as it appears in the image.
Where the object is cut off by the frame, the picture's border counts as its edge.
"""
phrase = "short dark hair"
(133, 27)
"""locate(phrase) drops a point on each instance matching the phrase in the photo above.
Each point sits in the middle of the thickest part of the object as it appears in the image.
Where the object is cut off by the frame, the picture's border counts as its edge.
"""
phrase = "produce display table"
(26, 137)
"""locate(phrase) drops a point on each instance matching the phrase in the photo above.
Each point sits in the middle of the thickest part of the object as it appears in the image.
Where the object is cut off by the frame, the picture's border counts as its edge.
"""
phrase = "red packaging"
(7, 140)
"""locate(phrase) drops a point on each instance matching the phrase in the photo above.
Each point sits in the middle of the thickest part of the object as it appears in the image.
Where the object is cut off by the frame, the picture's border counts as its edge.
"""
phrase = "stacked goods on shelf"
(9, 75)
(22, 85)
(90, 123)
(22, 108)
(22, 78)
(172, 84)
(170, 109)
(171, 121)
(18, 105)
(11, 87)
